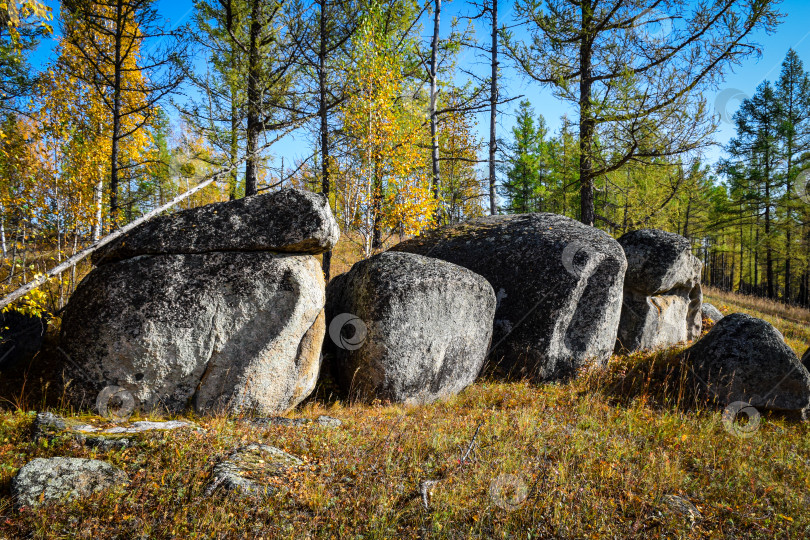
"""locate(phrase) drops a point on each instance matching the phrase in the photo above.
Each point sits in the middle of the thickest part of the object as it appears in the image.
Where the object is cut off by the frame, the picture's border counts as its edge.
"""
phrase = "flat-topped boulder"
(745, 359)
(288, 221)
(558, 285)
(662, 292)
(408, 328)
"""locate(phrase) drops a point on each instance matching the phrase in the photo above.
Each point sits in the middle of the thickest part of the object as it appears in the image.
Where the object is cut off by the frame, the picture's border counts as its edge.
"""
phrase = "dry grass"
(593, 458)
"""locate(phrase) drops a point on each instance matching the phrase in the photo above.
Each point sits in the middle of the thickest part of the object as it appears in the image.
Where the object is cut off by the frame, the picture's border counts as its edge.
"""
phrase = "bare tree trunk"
(586, 121)
(493, 110)
(233, 177)
(253, 95)
(3, 231)
(99, 200)
(116, 132)
(768, 249)
(325, 180)
(434, 139)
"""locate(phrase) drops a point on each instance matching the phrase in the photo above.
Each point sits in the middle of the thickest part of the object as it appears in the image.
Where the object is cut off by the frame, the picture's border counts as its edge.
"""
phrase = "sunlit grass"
(595, 457)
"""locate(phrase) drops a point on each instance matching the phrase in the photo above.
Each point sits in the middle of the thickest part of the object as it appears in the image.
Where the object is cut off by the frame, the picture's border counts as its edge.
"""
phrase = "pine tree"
(526, 168)
(756, 147)
(793, 93)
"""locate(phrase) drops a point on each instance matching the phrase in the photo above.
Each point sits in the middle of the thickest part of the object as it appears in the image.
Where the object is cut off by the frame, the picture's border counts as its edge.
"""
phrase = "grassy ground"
(600, 456)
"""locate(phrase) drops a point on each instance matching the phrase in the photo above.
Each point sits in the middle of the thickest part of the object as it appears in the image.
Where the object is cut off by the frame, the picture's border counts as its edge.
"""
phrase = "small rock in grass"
(250, 470)
(143, 426)
(323, 420)
(682, 507)
(63, 478)
(328, 421)
(710, 312)
(48, 425)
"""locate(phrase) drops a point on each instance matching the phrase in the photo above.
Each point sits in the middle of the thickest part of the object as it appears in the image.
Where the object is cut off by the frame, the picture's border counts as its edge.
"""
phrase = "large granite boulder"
(408, 328)
(710, 312)
(288, 221)
(662, 293)
(218, 330)
(21, 337)
(61, 479)
(558, 284)
(743, 358)
(806, 359)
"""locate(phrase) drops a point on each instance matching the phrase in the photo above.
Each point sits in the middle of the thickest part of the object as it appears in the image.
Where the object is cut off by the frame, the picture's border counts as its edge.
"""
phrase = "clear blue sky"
(793, 32)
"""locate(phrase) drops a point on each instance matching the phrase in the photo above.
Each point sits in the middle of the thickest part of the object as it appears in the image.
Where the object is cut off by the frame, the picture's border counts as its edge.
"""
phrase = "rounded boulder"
(407, 328)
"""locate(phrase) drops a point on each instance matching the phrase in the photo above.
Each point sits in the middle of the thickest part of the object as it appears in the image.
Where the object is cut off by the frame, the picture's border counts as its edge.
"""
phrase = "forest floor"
(622, 452)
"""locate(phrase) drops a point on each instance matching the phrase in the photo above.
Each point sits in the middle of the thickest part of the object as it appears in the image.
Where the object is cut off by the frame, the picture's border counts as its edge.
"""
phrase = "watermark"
(182, 165)
(722, 101)
(802, 186)
(732, 416)
(653, 25)
(115, 403)
(575, 257)
(508, 491)
(348, 331)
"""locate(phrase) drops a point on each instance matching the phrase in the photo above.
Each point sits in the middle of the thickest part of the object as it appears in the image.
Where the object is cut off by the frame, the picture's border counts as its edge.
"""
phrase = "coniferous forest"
(406, 115)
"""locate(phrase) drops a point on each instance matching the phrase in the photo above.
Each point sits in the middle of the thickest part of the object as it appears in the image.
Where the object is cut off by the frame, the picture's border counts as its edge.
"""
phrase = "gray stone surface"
(289, 220)
(62, 478)
(743, 358)
(662, 293)
(322, 420)
(806, 359)
(558, 285)
(219, 330)
(428, 325)
(21, 337)
(49, 426)
(254, 470)
(681, 507)
(142, 426)
(710, 312)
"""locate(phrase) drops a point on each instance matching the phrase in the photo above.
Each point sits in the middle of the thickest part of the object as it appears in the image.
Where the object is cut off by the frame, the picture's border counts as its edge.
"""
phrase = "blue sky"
(793, 32)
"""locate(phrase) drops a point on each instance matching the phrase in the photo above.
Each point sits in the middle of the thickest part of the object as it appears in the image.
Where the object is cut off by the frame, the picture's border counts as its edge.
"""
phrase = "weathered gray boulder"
(289, 221)
(21, 337)
(426, 326)
(254, 470)
(558, 284)
(662, 293)
(806, 359)
(710, 312)
(62, 478)
(217, 330)
(743, 358)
